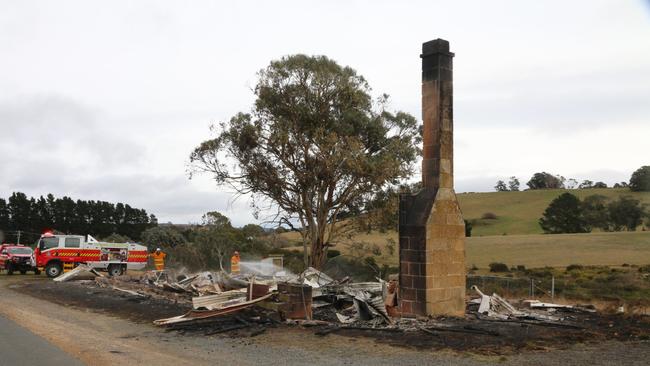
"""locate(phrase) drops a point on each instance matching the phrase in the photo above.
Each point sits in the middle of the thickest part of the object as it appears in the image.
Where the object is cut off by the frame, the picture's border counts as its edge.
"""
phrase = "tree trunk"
(318, 253)
(305, 254)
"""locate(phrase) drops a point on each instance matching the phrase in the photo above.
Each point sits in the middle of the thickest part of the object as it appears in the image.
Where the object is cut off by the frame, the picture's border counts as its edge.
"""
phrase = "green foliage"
(468, 229)
(98, 218)
(574, 267)
(333, 253)
(215, 244)
(217, 220)
(640, 180)
(498, 267)
(489, 216)
(625, 213)
(252, 231)
(162, 237)
(513, 184)
(600, 185)
(314, 146)
(216, 240)
(644, 269)
(545, 180)
(380, 212)
(586, 184)
(519, 212)
(564, 215)
(500, 186)
(595, 211)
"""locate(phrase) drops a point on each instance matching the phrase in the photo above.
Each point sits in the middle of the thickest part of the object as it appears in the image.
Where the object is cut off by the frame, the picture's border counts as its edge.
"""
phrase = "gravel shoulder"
(103, 336)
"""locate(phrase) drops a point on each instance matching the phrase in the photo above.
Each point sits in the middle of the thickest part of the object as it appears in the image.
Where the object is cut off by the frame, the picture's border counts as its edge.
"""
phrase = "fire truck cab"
(56, 253)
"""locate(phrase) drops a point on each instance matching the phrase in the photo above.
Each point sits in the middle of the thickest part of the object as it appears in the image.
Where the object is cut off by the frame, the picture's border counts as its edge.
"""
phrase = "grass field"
(524, 243)
(560, 250)
(533, 251)
(518, 212)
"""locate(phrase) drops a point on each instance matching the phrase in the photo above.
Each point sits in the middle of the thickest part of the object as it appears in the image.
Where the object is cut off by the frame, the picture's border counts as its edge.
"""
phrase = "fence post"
(553, 288)
(532, 288)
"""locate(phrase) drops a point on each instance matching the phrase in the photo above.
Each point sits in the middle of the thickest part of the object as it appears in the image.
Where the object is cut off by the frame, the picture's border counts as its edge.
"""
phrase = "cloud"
(113, 111)
(52, 144)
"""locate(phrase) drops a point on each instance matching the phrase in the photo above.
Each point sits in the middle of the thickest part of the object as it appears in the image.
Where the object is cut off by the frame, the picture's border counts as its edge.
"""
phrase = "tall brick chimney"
(431, 227)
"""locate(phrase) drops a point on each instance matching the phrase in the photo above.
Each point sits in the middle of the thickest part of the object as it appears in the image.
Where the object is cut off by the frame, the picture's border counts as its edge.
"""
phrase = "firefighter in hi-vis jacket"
(158, 259)
(234, 263)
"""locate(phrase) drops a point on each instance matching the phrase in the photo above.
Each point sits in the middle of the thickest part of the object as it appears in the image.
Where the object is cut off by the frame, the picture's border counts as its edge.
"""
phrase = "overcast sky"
(106, 100)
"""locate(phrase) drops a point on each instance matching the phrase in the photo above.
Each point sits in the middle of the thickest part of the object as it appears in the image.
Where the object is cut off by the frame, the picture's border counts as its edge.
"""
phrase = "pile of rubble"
(222, 302)
(310, 297)
(315, 299)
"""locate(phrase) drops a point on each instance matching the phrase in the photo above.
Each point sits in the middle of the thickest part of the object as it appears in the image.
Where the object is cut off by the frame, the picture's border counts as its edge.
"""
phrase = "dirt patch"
(104, 300)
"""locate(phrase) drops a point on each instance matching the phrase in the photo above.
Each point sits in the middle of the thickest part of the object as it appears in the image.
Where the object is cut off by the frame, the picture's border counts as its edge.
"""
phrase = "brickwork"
(432, 230)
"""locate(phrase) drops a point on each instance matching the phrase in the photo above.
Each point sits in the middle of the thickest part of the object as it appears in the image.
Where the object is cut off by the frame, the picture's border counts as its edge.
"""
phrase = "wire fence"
(514, 286)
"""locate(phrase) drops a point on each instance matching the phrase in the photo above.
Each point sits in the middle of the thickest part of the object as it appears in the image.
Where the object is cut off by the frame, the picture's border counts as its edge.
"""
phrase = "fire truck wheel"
(53, 270)
(114, 270)
(23, 272)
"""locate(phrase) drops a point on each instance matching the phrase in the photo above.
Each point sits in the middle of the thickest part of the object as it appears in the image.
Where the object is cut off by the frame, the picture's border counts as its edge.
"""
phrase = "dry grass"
(533, 251)
(517, 216)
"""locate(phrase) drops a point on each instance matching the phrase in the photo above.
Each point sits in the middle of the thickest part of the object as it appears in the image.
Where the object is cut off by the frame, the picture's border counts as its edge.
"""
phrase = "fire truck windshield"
(24, 250)
(47, 243)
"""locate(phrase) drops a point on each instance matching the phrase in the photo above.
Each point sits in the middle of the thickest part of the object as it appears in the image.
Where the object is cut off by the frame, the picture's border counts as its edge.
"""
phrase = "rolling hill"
(516, 238)
(518, 212)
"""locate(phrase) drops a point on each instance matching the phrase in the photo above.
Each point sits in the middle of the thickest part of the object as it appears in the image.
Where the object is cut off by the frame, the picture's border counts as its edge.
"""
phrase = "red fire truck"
(15, 257)
(54, 253)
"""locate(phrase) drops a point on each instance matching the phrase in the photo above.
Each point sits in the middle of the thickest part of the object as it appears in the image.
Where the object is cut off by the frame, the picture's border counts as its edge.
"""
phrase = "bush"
(468, 229)
(331, 253)
(498, 267)
(572, 267)
(489, 216)
(644, 269)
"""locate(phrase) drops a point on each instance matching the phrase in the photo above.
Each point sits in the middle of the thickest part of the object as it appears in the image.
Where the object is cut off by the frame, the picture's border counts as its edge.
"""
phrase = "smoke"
(264, 267)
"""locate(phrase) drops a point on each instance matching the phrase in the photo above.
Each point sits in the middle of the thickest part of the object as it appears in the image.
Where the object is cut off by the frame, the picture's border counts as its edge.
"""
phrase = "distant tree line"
(567, 214)
(639, 181)
(30, 216)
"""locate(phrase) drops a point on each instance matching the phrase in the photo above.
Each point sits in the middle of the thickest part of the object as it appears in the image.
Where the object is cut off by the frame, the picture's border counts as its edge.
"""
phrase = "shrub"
(498, 267)
(572, 267)
(489, 216)
(331, 253)
(644, 269)
(468, 229)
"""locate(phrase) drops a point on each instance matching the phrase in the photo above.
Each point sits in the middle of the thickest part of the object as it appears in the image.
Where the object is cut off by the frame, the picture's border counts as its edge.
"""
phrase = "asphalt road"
(19, 346)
